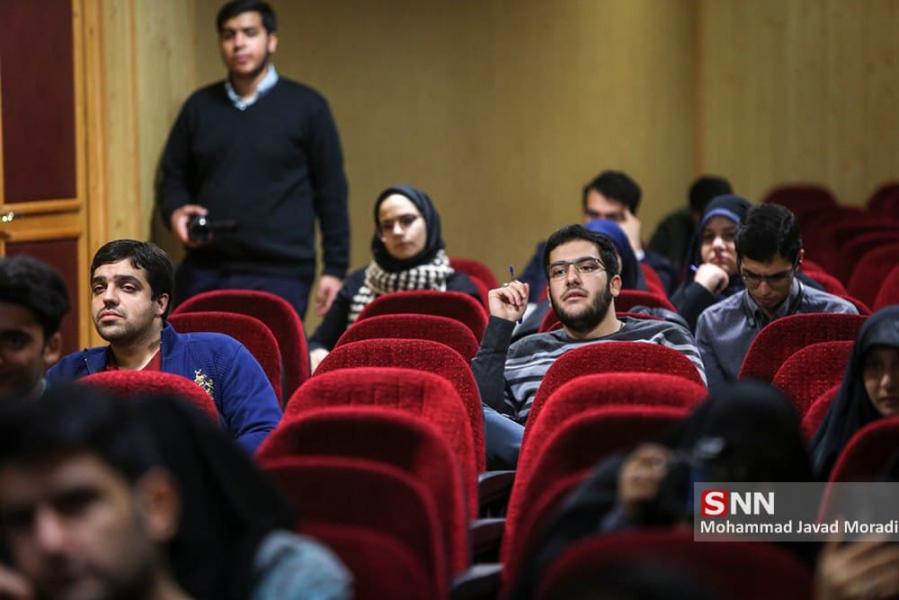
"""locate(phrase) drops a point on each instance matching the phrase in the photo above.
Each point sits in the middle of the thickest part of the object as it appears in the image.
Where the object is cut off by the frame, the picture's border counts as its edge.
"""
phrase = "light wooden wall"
(800, 90)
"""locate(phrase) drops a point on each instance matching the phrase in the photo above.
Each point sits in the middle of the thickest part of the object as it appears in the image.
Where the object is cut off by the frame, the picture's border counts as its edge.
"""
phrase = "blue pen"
(512, 278)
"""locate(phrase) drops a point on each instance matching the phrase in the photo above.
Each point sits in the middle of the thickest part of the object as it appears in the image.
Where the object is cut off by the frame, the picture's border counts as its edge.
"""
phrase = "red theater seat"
(811, 371)
(454, 305)
(871, 271)
(134, 383)
(445, 330)
(867, 453)
(889, 290)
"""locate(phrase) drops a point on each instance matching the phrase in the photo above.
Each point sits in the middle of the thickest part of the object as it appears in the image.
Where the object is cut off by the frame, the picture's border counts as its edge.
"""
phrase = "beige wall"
(800, 90)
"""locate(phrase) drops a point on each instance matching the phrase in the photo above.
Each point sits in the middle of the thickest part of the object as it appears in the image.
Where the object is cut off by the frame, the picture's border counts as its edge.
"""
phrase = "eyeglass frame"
(754, 280)
(600, 268)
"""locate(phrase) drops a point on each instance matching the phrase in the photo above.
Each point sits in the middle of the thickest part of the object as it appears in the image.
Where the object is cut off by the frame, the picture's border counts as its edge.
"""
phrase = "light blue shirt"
(267, 83)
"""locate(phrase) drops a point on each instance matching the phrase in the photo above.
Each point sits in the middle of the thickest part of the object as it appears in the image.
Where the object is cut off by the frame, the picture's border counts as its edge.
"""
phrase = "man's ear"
(159, 503)
(162, 303)
(801, 256)
(272, 42)
(52, 350)
(615, 285)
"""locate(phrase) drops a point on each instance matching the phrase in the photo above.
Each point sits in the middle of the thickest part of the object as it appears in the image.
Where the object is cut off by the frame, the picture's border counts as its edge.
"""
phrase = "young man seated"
(769, 252)
(131, 286)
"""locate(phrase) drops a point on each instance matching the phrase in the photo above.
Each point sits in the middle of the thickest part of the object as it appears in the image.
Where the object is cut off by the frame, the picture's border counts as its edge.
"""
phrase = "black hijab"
(228, 505)
(434, 241)
(730, 207)
(631, 273)
(852, 408)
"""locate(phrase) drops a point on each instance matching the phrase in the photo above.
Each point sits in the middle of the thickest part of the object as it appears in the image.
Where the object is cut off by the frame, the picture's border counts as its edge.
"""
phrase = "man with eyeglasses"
(769, 252)
(583, 273)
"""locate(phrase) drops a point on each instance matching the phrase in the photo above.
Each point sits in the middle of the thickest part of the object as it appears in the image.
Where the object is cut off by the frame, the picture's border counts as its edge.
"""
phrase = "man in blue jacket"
(131, 290)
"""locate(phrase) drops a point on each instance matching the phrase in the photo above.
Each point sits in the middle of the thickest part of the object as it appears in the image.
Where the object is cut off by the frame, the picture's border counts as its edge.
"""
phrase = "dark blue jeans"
(192, 279)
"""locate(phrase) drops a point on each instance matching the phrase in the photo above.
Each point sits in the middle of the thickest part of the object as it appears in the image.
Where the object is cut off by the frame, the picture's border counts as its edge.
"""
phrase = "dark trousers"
(192, 279)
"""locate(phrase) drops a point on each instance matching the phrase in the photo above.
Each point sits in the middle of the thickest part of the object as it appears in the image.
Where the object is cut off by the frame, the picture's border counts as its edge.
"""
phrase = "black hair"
(73, 418)
(617, 186)
(769, 230)
(237, 7)
(704, 189)
(570, 233)
(31, 283)
(143, 255)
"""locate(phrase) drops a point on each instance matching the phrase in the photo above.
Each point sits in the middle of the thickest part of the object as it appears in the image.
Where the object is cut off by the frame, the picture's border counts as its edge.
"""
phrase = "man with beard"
(131, 290)
(583, 274)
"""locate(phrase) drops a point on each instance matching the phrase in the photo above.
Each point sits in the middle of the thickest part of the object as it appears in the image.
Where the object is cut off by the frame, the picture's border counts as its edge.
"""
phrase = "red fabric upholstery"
(817, 234)
(781, 338)
(889, 290)
(612, 357)
(363, 494)
(445, 330)
(653, 281)
(388, 436)
(475, 268)
(483, 290)
(423, 355)
(382, 565)
(854, 249)
(810, 266)
(885, 199)
(454, 305)
(133, 383)
(802, 199)
(272, 310)
(816, 412)
(831, 284)
(573, 448)
(249, 331)
(867, 453)
(811, 371)
(871, 270)
(628, 299)
(734, 570)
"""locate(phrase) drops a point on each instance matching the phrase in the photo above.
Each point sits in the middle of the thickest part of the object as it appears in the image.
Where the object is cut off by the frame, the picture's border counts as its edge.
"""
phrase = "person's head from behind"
(704, 190)
(582, 270)
(84, 507)
(769, 251)
(611, 195)
(131, 290)
(33, 301)
(718, 231)
(247, 36)
(407, 227)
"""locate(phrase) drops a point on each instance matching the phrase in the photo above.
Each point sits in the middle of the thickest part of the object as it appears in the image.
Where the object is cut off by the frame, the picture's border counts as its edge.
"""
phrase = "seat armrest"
(494, 488)
(478, 582)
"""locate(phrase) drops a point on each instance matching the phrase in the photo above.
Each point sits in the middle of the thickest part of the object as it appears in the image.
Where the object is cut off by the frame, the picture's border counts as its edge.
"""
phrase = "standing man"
(259, 153)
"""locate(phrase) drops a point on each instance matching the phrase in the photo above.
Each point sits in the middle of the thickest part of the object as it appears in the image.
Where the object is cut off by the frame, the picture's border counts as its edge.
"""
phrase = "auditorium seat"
(628, 299)
(817, 411)
(136, 383)
(474, 268)
(803, 199)
(454, 305)
(868, 453)
(853, 250)
(811, 371)
(871, 270)
(885, 199)
(889, 290)
(445, 330)
(653, 281)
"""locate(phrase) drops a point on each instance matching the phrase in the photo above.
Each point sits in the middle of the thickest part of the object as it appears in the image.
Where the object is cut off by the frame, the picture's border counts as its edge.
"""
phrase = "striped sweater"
(508, 376)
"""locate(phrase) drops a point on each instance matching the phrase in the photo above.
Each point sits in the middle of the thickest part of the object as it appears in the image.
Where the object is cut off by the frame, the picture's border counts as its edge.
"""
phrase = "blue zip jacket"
(242, 393)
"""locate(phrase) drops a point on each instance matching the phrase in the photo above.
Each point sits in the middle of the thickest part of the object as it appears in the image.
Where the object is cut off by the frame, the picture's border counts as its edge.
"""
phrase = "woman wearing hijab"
(870, 388)
(235, 539)
(712, 273)
(407, 254)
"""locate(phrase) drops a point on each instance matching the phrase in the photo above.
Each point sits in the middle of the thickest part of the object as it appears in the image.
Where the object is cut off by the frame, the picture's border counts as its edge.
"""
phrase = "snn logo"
(724, 503)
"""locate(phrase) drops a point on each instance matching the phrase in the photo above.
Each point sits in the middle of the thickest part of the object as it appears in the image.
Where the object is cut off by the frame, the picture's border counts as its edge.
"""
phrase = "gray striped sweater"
(508, 376)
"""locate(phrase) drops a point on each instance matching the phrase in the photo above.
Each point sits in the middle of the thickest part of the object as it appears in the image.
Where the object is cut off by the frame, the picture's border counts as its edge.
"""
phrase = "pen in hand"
(512, 278)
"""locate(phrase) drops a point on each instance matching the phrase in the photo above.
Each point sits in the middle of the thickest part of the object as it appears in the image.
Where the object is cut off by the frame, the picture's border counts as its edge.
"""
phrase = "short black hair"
(32, 283)
(705, 188)
(237, 7)
(72, 418)
(617, 186)
(769, 230)
(607, 252)
(143, 255)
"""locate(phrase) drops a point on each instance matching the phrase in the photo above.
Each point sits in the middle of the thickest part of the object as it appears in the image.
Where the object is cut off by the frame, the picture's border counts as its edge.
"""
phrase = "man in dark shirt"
(259, 153)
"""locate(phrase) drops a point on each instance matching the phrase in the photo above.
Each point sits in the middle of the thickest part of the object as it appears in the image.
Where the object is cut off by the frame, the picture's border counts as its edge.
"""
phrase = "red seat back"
(802, 199)
(612, 357)
(249, 331)
(653, 281)
(871, 270)
(628, 299)
(388, 436)
(889, 290)
(344, 492)
(854, 249)
(475, 268)
(782, 337)
(815, 413)
(272, 310)
(736, 570)
(811, 371)
(133, 383)
(885, 199)
(867, 453)
(426, 395)
(449, 332)
(454, 305)
(423, 355)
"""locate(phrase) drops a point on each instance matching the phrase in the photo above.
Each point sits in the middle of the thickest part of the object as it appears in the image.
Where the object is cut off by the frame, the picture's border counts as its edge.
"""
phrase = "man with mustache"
(582, 271)
(131, 290)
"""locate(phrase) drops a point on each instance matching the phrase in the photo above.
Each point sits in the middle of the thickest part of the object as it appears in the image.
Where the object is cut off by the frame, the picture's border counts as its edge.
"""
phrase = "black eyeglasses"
(775, 280)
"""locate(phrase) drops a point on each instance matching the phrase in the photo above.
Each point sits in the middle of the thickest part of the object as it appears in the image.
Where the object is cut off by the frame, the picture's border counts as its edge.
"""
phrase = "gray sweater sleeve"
(489, 364)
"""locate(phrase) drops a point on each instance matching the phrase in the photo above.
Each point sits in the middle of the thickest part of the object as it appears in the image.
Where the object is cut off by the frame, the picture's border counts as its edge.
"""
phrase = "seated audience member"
(769, 251)
(614, 196)
(584, 280)
(235, 538)
(33, 300)
(674, 235)
(407, 254)
(870, 388)
(747, 431)
(131, 287)
(712, 273)
(85, 507)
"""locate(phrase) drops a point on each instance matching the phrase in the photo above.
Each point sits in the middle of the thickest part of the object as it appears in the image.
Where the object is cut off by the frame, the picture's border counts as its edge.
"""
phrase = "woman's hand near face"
(510, 301)
(711, 277)
(866, 569)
